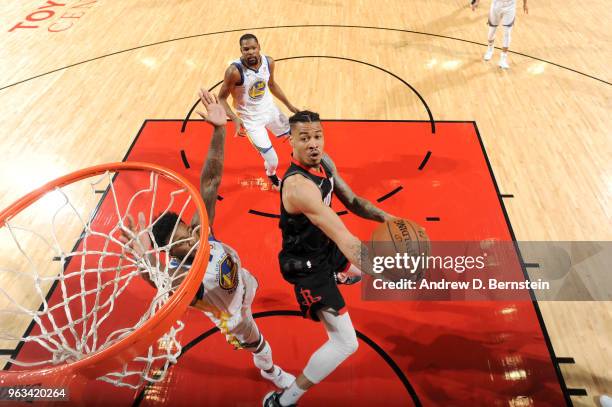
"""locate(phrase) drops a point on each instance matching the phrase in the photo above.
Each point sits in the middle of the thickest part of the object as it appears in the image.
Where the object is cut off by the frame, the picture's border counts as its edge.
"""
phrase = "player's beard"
(252, 61)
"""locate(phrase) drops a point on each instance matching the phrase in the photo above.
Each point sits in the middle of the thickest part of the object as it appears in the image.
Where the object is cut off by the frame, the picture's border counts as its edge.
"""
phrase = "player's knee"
(352, 346)
(349, 344)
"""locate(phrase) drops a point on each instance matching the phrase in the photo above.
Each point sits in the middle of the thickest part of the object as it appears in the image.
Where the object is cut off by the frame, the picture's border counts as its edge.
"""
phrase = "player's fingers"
(130, 221)
(142, 222)
(207, 97)
(202, 114)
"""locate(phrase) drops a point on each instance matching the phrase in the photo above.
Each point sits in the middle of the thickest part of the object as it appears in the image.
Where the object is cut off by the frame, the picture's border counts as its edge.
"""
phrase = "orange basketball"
(405, 242)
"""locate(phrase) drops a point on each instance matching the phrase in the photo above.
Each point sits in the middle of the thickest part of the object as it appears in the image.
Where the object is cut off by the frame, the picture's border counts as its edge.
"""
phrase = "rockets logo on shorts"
(257, 90)
(228, 274)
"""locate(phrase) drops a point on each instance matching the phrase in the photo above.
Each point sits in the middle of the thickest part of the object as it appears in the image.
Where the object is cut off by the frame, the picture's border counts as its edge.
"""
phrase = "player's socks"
(291, 395)
(503, 60)
(263, 358)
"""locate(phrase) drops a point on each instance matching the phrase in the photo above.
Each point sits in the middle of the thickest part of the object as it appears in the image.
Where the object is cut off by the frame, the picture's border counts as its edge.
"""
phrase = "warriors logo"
(257, 90)
(228, 274)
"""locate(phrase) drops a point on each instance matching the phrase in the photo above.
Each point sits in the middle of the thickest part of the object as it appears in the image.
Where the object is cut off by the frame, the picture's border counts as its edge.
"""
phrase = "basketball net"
(79, 290)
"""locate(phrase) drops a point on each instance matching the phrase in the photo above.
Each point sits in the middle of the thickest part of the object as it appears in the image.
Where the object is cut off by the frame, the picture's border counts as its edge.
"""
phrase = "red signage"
(55, 16)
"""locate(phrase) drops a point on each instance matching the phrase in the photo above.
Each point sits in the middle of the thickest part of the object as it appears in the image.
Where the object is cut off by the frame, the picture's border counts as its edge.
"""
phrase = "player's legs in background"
(249, 334)
(278, 124)
(258, 136)
(493, 22)
(507, 21)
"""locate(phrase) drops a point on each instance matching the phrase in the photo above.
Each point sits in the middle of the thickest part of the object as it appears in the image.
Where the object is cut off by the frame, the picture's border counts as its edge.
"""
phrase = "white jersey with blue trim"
(252, 96)
(223, 282)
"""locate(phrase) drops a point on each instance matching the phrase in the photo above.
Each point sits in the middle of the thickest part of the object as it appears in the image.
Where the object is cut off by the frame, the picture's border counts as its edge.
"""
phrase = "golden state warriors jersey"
(251, 95)
(223, 283)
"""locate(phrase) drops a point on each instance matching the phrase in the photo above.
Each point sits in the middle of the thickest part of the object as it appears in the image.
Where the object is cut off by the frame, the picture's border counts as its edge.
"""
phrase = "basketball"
(404, 241)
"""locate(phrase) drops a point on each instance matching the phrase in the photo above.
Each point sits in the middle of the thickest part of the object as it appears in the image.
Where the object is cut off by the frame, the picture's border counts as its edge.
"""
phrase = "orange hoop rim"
(136, 342)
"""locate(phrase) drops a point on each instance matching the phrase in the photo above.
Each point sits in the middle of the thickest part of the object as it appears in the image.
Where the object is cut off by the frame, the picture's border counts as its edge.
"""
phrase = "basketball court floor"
(414, 119)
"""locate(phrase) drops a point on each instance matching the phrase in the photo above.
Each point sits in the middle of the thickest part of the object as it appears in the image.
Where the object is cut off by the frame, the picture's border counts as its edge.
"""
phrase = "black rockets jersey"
(306, 249)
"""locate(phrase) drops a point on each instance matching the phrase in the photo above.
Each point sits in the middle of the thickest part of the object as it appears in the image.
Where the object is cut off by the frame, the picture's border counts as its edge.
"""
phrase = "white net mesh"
(71, 286)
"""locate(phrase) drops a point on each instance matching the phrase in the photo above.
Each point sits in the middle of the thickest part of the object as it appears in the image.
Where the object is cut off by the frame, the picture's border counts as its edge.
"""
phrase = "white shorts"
(500, 14)
(240, 330)
(272, 119)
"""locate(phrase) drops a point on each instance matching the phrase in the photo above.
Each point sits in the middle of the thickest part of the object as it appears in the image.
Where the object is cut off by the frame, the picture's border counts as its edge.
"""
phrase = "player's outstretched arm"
(302, 196)
(231, 78)
(276, 89)
(212, 170)
(354, 203)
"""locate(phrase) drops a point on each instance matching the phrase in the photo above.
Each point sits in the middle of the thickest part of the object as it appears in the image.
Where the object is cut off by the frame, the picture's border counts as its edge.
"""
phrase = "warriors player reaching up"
(250, 81)
(504, 12)
(227, 290)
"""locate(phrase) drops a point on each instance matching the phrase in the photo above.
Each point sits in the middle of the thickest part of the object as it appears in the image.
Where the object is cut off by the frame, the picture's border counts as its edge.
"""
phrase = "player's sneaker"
(605, 401)
(503, 61)
(279, 377)
(272, 399)
(343, 278)
(489, 54)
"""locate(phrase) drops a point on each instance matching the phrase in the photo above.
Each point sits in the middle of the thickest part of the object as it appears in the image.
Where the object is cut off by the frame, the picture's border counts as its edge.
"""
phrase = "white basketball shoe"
(489, 54)
(605, 401)
(279, 377)
(503, 61)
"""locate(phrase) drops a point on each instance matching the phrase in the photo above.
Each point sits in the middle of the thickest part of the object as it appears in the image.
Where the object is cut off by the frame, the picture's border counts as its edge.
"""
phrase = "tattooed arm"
(301, 195)
(210, 177)
(354, 203)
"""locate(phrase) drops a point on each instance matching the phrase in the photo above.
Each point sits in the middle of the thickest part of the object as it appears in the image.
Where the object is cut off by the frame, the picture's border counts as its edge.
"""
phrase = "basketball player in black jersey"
(316, 247)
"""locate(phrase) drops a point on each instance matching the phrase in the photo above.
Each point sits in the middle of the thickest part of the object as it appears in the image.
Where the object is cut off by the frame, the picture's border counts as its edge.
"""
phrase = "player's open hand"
(215, 113)
(135, 235)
